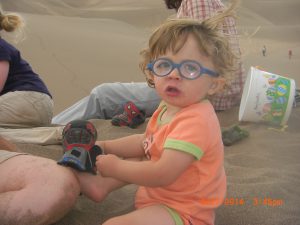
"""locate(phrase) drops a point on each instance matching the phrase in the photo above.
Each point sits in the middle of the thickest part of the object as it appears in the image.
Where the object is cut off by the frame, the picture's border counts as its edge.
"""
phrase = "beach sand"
(76, 45)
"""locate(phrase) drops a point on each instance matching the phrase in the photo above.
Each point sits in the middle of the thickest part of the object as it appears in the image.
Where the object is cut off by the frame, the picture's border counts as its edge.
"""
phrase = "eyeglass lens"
(187, 69)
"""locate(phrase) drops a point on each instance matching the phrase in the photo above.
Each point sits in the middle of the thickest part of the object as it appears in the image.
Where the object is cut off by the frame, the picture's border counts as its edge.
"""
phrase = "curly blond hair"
(173, 33)
(10, 22)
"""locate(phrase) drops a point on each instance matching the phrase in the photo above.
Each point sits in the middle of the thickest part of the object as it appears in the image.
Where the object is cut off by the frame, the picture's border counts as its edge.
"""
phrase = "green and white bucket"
(267, 97)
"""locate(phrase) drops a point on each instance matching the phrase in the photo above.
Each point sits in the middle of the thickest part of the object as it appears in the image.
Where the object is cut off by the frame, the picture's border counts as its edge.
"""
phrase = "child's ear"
(217, 85)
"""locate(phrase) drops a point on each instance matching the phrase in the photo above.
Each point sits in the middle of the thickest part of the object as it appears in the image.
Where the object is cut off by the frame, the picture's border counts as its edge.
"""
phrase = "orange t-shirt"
(202, 187)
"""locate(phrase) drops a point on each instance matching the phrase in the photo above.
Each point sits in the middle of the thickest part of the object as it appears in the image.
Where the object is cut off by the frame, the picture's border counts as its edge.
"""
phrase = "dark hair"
(173, 4)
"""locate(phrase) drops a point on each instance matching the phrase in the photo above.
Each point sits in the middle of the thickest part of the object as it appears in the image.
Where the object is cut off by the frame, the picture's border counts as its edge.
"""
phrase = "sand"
(76, 44)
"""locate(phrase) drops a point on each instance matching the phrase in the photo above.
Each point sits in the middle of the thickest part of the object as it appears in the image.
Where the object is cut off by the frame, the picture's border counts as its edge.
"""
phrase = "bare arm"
(126, 147)
(147, 173)
(4, 68)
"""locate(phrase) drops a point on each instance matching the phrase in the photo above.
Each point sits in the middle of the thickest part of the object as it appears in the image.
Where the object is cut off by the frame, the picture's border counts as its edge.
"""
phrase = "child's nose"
(175, 74)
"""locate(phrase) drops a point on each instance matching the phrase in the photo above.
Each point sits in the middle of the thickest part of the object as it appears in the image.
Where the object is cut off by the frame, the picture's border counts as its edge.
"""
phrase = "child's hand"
(106, 164)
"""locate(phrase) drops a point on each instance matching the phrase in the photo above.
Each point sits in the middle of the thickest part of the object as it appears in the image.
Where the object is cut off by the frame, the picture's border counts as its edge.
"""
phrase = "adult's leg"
(25, 117)
(35, 190)
(107, 100)
(35, 135)
(25, 109)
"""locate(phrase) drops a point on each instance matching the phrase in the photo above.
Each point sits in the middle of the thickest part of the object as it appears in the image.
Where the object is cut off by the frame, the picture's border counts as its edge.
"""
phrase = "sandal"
(131, 117)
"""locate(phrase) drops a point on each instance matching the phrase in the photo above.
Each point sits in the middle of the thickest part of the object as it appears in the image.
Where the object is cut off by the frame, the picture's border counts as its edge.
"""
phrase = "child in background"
(178, 161)
(25, 100)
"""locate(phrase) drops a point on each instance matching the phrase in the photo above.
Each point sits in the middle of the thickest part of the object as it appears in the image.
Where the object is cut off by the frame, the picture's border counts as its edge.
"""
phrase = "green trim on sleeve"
(184, 146)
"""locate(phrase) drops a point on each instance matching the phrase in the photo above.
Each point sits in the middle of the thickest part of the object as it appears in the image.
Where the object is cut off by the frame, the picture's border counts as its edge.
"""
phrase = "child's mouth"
(172, 91)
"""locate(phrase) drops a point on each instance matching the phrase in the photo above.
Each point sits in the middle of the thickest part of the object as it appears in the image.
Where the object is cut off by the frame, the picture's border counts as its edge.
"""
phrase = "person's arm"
(126, 147)
(146, 173)
(4, 68)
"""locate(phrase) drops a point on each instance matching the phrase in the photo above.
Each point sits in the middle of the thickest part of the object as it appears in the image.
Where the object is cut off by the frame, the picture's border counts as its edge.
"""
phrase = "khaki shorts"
(5, 155)
(25, 109)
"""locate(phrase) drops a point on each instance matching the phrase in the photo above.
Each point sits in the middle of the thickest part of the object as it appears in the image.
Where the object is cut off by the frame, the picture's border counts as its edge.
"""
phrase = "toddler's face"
(179, 91)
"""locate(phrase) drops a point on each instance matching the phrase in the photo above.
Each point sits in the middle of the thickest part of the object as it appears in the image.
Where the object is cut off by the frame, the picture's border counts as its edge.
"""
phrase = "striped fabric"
(203, 9)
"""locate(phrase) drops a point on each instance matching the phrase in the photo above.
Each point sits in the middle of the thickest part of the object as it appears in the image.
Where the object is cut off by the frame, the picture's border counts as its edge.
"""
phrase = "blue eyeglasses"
(188, 69)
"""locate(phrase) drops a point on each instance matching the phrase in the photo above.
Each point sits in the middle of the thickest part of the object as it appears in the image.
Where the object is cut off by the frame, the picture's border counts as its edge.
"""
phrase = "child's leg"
(97, 187)
(155, 214)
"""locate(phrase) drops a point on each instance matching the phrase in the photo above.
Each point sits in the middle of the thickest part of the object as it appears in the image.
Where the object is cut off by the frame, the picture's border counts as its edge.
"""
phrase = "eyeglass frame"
(203, 70)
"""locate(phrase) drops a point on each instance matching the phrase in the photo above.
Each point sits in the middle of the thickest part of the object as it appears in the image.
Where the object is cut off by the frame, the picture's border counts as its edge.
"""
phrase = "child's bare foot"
(96, 187)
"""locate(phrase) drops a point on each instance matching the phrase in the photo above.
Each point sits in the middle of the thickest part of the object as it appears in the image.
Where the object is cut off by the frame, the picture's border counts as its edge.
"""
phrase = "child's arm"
(147, 173)
(126, 147)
